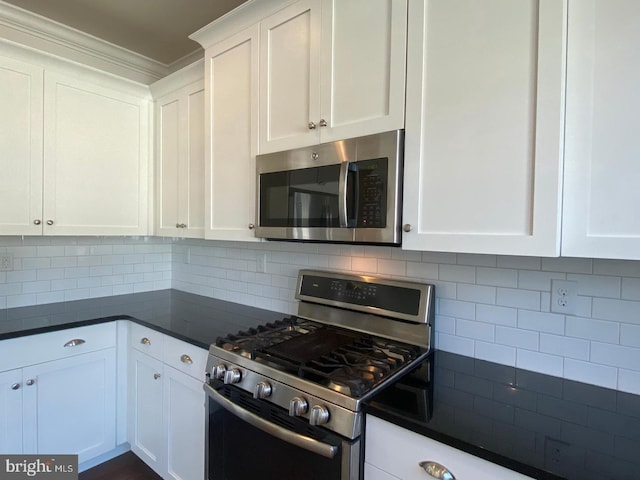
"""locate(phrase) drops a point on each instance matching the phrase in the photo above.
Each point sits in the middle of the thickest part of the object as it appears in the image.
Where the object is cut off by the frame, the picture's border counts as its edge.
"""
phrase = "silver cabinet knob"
(311, 125)
(30, 382)
(322, 122)
(437, 471)
(74, 342)
(232, 376)
(15, 386)
(145, 341)
(177, 225)
(407, 227)
(251, 226)
(262, 390)
(186, 359)
(315, 156)
(319, 415)
(298, 406)
(49, 222)
(37, 222)
(183, 225)
(219, 371)
(156, 376)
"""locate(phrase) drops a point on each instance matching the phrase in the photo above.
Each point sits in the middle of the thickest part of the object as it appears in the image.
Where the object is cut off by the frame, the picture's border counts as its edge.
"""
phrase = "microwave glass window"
(300, 198)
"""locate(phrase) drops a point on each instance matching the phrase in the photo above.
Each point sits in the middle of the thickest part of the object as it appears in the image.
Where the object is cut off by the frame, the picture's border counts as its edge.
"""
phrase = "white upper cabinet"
(602, 149)
(484, 126)
(180, 162)
(95, 157)
(231, 132)
(20, 148)
(331, 69)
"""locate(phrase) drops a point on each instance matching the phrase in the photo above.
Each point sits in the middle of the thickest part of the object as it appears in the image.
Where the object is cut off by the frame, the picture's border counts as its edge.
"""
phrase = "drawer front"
(146, 340)
(185, 357)
(44, 347)
(398, 451)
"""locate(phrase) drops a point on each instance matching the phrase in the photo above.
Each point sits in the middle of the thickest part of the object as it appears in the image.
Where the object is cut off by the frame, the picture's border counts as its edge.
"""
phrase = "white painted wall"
(491, 307)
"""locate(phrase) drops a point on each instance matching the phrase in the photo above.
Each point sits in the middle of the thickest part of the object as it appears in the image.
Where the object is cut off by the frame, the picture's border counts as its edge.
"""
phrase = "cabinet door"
(146, 425)
(180, 162)
(70, 406)
(96, 157)
(363, 65)
(184, 413)
(20, 148)
(232, 133)
(290, 77)
(11, 412)
(484, 127)
(602, 149)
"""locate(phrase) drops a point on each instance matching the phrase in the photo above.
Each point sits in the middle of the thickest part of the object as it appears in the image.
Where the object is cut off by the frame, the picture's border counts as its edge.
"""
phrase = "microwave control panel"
(372, 193)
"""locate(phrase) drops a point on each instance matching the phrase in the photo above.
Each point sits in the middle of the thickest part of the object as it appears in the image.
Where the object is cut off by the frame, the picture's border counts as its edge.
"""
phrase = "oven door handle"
(302, 441)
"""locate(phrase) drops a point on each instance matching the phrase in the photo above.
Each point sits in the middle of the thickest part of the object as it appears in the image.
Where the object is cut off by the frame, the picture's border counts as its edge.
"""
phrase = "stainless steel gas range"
(286, 398)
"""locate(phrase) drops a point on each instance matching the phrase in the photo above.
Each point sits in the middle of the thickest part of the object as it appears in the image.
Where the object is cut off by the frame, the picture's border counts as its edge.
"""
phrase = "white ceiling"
(157, 29)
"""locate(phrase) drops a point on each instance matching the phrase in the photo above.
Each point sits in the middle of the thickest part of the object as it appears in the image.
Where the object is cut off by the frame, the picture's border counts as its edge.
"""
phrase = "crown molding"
(186, 76)
(35, 31)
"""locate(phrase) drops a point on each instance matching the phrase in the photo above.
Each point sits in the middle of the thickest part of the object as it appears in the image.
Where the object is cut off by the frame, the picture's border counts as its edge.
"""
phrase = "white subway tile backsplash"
(588, 372)
(624, 268)
(630, 335)
(570, 347)
(592, 329)
(497, 315)
(615, 355)
(515, 337)
(623, 311)
(541, 321)
(511, 297)
(476, 260)
(476, 293)
(457, 309)
(629, 381)
(426, 271)
(497, 277)
(475, 330)
(392, 267)
(445, 324)
(567, 265)
(532, 280)
(455, 344)
(630, 289)
(493, 352)
(519, 263)
(439, 257)
(597, 285)
(540, 362)
(457, 273)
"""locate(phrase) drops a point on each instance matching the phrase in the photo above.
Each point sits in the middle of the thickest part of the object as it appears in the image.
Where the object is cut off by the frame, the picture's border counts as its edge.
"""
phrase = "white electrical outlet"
(564, 296)
(6, 262)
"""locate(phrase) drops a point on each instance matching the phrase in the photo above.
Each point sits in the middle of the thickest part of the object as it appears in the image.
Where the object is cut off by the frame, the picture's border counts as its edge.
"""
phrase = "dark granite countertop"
(196, 319)
(542, 426)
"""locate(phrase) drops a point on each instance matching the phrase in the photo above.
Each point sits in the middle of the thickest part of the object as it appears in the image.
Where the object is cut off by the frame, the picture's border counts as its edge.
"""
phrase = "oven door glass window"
(240, 451)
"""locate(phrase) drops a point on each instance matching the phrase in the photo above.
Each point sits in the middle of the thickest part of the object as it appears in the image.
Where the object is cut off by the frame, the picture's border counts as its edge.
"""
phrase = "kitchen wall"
(491, 307)
(56, 269)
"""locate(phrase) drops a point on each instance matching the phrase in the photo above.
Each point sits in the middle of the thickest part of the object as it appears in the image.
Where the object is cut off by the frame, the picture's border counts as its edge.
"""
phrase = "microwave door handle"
(342, 194)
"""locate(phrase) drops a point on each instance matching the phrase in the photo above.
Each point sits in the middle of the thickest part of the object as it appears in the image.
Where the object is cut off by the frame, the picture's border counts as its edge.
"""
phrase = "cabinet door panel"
(168, 164)
(289, 77)
(232, 123)
(11, 412)
(73, 403)
(602, 171)
(20, 148)
(95, 159)
(193, 171)
(145, 410)
(484, 126)
(363, 67)
(184, 413)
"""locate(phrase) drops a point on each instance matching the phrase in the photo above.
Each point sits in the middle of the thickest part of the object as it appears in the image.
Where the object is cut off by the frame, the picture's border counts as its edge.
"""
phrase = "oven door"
(248, 438)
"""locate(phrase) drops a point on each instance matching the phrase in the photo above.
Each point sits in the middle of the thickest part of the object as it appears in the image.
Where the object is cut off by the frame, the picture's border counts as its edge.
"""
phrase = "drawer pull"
(156, 376)
(15, 386)
(30, 382)
(74, 342)
(186, 359)
(145, 341)
(435, 470)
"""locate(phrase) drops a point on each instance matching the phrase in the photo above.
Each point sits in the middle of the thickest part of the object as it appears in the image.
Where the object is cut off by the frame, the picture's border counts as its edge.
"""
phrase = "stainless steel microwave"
(347, 191)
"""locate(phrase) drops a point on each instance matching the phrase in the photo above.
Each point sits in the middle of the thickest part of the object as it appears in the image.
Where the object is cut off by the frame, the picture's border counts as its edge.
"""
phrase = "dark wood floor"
(124, 467)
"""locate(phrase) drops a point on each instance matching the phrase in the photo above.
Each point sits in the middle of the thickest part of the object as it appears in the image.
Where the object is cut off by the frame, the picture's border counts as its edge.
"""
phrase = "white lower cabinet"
(167, 410)
(397, 452)
(58, 393)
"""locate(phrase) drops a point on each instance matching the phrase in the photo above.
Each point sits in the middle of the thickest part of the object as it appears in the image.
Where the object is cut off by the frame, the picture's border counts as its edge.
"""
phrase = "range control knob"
(262, 390)
(298, 406)
(232, 376)
(319, 415)
(219, 371)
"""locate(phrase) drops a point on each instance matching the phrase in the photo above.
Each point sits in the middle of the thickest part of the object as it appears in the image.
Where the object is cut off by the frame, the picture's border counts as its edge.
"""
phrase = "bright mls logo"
(49, 467)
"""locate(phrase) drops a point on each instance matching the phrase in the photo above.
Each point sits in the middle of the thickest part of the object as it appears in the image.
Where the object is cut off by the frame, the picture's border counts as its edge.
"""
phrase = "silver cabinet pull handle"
(15, 386)
(49, 222)
(407, 227)
(30, 382)
(37, 222)
(156, 376)
(251, 226)
(74, 342)
(311, 125)
(323, 122)
(437, 471)
(186, 359)
(145, 341)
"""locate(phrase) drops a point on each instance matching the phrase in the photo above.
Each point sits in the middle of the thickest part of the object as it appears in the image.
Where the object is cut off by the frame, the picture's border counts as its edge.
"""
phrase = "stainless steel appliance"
(286, 398)
(346, 191)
